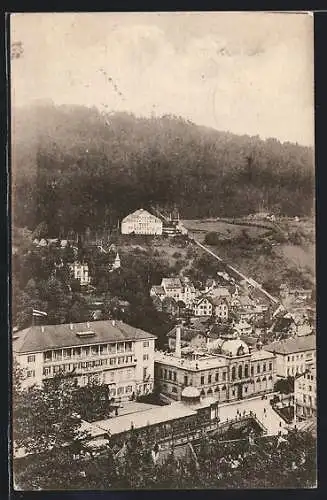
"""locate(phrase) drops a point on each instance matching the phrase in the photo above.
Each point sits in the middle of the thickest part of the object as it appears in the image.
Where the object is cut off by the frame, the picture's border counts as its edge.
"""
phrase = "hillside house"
(141, 222)
(211, 306)
(180, 289)
(80, 272)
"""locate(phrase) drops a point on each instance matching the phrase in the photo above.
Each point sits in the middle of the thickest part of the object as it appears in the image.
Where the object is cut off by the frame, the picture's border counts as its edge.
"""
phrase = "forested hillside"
(74, 167)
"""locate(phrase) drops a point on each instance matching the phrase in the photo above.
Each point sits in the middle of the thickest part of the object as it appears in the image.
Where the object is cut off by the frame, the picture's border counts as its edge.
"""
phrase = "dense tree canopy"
(73, 168)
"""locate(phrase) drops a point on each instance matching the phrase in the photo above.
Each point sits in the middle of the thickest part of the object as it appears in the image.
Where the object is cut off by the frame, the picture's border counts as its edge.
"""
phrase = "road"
(262, 410)
(251, 281)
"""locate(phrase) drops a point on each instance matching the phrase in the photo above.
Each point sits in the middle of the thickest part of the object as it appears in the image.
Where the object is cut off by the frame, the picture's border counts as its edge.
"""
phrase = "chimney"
(178, 352)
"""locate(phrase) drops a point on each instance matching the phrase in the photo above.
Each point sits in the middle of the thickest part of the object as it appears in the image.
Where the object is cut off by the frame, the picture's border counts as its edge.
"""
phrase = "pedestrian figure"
(280, 423)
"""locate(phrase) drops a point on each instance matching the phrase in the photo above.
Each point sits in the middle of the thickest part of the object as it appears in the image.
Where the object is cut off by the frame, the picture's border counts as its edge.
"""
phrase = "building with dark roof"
(110, 351)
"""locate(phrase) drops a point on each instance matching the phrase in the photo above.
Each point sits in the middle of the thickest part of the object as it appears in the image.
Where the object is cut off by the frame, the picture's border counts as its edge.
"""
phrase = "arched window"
(217, 389)
(209, 391)
(223, 388)
(258, 379)
(246, 371)
(202, 393)
(233, 373)
(240, 371)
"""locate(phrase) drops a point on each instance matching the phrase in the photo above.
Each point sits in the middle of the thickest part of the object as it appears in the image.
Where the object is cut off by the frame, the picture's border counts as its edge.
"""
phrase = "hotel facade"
(111, 352)
(229, 371)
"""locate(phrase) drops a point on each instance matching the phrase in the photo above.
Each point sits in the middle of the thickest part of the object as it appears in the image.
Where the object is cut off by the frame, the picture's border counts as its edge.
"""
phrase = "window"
(165, 374)
(209, 379)
(31, 358)
(57, 355)
(288, 358)
(252, 370)
(46, 371)
(233, 373)
(120, 391)
(103, 349)
(224, 376)
(258, 368)
(145, 373)
(270, 367)
(120, 347)
(30, 373)
(245, 389)
(216, 376)
(129, 389)
(169, 375)
(47, 356)
(240, 371)
(202, 379)
(174, 389)
(175, 376)
(185, 380)
(264, 367)
(113, 361)
(246, 371)
(146, 344)
(128, 346)
(94, 350)
(112, 348)
(310, 388)
(145, 357)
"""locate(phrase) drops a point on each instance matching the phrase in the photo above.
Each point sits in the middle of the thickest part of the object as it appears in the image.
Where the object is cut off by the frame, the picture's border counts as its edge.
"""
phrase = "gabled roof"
(38, 339)
(282, 324)
(141, 212)
(171, 283)
(187, 334)
(217, 301)
(291, 345)
(158, 290)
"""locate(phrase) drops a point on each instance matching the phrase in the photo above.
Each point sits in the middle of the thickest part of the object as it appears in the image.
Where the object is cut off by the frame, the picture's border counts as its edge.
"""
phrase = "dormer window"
(87, 333)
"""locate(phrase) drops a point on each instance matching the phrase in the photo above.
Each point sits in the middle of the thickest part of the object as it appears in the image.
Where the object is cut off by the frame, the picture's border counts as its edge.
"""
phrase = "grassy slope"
(284, 261)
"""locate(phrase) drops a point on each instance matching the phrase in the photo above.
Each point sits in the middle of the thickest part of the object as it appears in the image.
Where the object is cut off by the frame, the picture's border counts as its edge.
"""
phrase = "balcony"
(86, 357)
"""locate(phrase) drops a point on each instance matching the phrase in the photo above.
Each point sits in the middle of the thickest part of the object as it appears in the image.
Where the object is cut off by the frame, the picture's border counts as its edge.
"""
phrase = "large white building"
(141, 222)
(229, 371)
(113, 352)
(294, 355)
(305, 395)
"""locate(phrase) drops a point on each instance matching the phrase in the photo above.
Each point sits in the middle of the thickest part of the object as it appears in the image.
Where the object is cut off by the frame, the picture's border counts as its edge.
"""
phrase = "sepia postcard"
(163, 251)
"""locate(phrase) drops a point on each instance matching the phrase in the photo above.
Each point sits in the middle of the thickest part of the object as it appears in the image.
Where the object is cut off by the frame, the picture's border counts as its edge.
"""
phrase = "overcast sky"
(249, 73)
